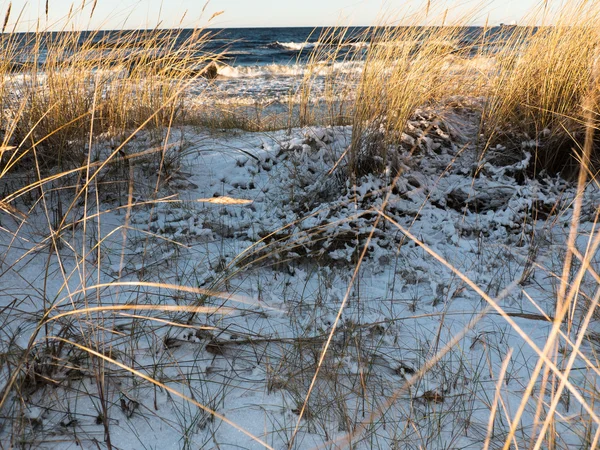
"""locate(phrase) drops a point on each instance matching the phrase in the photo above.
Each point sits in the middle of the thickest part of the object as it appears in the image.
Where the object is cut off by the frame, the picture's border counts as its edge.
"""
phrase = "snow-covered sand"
(284, 262)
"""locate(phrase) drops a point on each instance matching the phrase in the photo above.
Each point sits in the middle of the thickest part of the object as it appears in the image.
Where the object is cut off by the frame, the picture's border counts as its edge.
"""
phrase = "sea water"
(263, 66)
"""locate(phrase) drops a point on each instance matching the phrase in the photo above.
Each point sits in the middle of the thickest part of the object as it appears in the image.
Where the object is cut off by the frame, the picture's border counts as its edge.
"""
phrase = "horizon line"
(500, 25)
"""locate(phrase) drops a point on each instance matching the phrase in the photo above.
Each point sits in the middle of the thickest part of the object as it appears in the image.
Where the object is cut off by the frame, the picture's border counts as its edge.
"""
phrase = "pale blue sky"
(248, 13)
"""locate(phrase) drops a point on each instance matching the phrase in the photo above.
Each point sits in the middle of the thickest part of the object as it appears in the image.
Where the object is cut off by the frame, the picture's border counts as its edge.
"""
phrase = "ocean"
(260, 65)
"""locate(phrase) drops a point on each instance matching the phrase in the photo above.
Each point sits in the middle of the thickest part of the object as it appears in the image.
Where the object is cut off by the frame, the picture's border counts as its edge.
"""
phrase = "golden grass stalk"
(539, 88)
(403, 68)
(71, 77)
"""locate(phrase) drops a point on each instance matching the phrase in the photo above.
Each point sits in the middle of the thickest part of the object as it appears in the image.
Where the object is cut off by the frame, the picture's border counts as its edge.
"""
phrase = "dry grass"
(403, 68)
(544, 75)
(85, 87)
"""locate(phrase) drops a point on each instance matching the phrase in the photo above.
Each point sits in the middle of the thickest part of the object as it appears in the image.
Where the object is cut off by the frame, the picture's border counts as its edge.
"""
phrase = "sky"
(129, 14)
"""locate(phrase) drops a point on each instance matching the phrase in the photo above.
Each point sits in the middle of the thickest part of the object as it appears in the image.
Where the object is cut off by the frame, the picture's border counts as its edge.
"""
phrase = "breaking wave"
(295, 46)
(287, 70)
(298, 46)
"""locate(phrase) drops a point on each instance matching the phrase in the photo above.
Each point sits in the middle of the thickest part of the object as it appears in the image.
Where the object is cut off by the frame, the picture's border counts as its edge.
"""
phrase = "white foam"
(311, 45)
(288, 70)
(261, 71)
(297, 45)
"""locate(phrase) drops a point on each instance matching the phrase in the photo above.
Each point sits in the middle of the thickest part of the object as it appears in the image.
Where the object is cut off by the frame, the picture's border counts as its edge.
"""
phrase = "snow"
(285, 254)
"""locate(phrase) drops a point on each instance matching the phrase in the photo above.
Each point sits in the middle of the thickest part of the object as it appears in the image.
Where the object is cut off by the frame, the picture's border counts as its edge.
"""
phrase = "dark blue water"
(249, 46)
(262, 46)
(259, 66)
